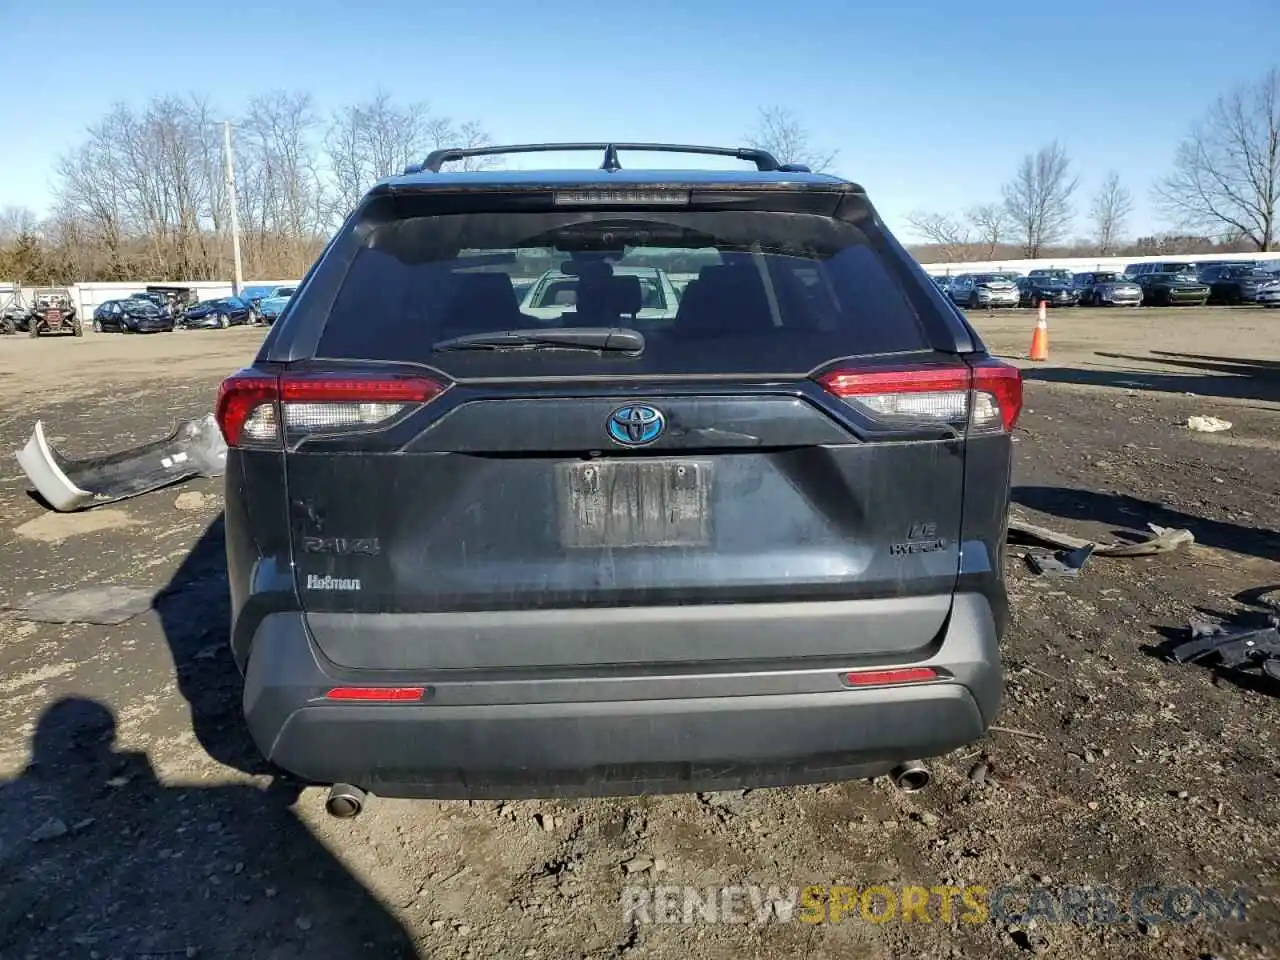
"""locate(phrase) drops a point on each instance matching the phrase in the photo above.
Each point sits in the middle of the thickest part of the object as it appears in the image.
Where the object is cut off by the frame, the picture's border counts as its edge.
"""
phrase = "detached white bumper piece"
(194, 448)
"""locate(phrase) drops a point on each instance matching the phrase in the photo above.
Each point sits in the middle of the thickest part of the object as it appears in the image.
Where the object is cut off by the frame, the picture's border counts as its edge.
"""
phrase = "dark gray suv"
(755, 539)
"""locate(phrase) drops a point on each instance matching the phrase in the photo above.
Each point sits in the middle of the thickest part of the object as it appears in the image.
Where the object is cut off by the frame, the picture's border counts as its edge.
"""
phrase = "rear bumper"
(514, 738)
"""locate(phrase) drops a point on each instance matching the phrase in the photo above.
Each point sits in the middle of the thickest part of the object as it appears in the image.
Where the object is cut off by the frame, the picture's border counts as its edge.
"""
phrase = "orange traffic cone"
(1040, 339)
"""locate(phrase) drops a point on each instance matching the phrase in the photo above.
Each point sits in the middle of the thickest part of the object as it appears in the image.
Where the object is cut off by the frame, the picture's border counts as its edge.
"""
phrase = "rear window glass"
(561, 293)
(706, 289)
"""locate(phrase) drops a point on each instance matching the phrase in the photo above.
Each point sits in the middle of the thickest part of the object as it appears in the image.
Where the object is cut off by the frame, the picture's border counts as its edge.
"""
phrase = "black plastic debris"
(1064, 563)
(1232, 647)
(107, 605)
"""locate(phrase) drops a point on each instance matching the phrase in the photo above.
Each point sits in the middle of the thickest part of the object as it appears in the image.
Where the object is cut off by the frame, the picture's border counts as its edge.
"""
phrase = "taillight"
(985, 398)
(241, 397)
(257, 411)
(997, 397)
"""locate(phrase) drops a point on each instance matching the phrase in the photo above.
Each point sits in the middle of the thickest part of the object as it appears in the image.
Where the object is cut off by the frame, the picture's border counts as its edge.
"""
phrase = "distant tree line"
(144, 195)
(1223, 191)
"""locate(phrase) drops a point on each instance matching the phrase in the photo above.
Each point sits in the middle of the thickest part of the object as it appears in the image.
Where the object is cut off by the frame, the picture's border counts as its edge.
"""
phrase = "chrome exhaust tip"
(345, 801)
(910, 776)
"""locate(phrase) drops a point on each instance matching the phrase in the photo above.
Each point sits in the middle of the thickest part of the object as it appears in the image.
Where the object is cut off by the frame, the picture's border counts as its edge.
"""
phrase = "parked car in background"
(158, 300)
(555, 294)
(1106, 288)
(1269, 296)
(252, 294)
(1136, 270)
(1044, 273)
(270, 308)
(256, 294)
(975, 290)
(131, 315)
(222, 312)
(175, 300)
(1053, 291)
(680, 281)
(1173, 289)
(1233, 284)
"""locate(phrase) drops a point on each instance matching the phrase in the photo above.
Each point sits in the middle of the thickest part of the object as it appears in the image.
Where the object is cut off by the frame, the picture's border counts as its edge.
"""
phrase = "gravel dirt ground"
(138, 821)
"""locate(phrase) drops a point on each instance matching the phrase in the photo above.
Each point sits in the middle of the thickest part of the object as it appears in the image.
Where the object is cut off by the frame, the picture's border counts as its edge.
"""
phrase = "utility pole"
(229, 166)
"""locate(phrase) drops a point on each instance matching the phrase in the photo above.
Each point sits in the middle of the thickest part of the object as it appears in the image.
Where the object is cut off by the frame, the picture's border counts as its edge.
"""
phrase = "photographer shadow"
(100, 857)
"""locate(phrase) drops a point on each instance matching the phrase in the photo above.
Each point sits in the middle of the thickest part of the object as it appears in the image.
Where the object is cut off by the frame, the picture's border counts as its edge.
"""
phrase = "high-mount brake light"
(987, 397)
(614, 198)
(257, 411)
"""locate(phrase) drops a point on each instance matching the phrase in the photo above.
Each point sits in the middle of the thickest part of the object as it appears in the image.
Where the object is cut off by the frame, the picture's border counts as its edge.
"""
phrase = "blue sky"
(930, 104)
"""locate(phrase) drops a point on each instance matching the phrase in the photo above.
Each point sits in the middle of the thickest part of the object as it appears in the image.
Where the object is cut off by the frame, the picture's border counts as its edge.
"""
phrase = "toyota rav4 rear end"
(755, 539)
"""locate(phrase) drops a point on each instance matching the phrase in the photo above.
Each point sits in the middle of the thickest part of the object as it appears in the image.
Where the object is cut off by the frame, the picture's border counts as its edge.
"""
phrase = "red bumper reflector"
(880, 678)
(375, 694)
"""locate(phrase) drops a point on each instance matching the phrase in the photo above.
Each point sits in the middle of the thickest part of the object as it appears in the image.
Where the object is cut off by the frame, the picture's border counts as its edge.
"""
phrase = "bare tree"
(88, 194)
(16, 221)
(952, 236)
(1038, 199)
(780, 132)
(278, 188)
(990, 226)
(974, 236)
(1110, 211)
(467, 135)
(143, 178)
(375, 139)
(1226, 173)
(143, 195)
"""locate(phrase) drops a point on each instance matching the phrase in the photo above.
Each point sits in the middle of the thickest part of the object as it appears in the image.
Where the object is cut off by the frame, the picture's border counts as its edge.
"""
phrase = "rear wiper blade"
(612, 339)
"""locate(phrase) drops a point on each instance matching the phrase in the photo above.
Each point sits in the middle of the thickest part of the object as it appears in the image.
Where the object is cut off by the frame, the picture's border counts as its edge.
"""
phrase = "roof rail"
(763, 159)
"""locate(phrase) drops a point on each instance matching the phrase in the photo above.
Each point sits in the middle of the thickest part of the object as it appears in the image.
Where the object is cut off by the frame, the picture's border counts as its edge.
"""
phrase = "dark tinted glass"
(798, 288)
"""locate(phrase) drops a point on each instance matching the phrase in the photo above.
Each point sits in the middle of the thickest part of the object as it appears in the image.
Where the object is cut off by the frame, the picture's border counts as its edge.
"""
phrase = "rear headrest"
(480, 301)
(627, 293)
(609, 296)
(724, 300)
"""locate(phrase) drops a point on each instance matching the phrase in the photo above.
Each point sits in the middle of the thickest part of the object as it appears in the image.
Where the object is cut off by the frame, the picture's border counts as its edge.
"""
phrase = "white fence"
(1079, 264)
